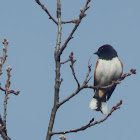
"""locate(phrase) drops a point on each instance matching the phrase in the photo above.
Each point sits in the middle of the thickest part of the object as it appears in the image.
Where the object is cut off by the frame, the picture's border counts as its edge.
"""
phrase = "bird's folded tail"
(98, 105)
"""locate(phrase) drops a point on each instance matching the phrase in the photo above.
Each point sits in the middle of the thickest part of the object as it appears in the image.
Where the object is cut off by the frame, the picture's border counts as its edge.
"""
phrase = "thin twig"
(3, 58)
(10, 91)
(7, 85)
(72, 68)
(46, 10)
(89, 70)
(71, 21)
(65, 61)
(81, 16)
(91, 121)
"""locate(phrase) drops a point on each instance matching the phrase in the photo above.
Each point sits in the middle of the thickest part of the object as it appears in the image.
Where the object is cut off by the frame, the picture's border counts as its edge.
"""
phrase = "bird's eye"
(101, 49)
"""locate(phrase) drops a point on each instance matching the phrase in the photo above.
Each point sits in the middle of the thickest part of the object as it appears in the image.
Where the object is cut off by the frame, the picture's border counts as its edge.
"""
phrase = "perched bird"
(108, 68)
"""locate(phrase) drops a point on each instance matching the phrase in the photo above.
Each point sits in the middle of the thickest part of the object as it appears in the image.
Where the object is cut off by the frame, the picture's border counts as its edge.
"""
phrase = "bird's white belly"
(108, 70)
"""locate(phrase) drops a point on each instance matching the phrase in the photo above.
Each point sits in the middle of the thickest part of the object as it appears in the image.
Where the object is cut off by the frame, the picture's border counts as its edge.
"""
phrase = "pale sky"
(32, 38)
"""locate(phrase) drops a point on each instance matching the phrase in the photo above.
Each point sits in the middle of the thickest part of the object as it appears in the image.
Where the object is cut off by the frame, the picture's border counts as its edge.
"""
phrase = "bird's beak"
(96, 53)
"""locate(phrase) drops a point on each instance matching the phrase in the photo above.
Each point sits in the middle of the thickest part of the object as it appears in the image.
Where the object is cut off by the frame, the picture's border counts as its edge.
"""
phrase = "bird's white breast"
(108, 70)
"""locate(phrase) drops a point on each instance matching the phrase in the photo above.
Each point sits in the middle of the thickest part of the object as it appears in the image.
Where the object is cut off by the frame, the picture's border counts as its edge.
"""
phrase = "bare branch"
(7, 85)
(65, 61)
(3, 131)
(90, 122)
(45, 9)
(57, 74)
(81, 16)
(72, 68)
(69, 97)
(3, 58)
(71, 21)
(10, 91)
(89, 70)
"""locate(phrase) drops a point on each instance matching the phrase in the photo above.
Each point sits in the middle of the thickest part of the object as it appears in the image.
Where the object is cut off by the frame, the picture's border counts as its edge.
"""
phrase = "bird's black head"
(106, 52)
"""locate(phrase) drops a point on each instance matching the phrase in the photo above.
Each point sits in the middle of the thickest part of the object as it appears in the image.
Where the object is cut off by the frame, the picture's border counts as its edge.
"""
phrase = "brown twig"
(89, 70)
(3, 58)
(3, 130)
(46, 10)
(81, 16)
(7, 85)
(72, 68)
(65, 61)
(10, 91)
(71, 21)
(91, 121)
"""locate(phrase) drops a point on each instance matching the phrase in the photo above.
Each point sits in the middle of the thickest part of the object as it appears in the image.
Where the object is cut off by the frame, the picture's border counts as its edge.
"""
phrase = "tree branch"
(65, 61)
(45, 9)
(3, 58)
(57, 74)
(71, 21)
(89, 70)
(91, 121)
(10, 91)
(3, 132)
(72, 68)
(81, 16)
(79, 87)
(3, 129)
(7, 85)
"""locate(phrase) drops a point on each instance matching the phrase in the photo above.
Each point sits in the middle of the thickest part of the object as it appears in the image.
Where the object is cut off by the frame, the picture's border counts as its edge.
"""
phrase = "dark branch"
(45, 9)
(3, 131)
(89, 70)
(71, 21)
(57, 74)
(65, 61)
(7, 85)
(10, 91)
(81, 16)
(72, 68)
(91, 121)
(3, 58)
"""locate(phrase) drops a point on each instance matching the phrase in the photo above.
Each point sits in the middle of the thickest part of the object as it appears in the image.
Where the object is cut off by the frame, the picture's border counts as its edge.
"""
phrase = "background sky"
(32, 38)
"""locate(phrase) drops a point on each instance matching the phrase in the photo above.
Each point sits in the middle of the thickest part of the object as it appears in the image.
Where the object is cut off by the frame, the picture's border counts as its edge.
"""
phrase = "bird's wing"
(96, 82)
(110, 91)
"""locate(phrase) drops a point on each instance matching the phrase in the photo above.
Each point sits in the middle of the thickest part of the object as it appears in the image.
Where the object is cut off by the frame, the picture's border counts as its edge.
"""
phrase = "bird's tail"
(98, 105)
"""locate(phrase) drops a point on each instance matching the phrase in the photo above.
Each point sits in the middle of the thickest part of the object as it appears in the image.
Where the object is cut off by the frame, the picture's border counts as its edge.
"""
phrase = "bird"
(108, 68)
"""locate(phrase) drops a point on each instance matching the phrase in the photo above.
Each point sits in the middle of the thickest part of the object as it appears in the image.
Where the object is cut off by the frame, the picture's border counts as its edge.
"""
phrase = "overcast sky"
(32, 36)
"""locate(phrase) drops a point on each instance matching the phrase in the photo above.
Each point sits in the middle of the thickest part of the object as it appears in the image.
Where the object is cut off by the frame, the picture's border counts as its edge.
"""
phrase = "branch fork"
(58, 52)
